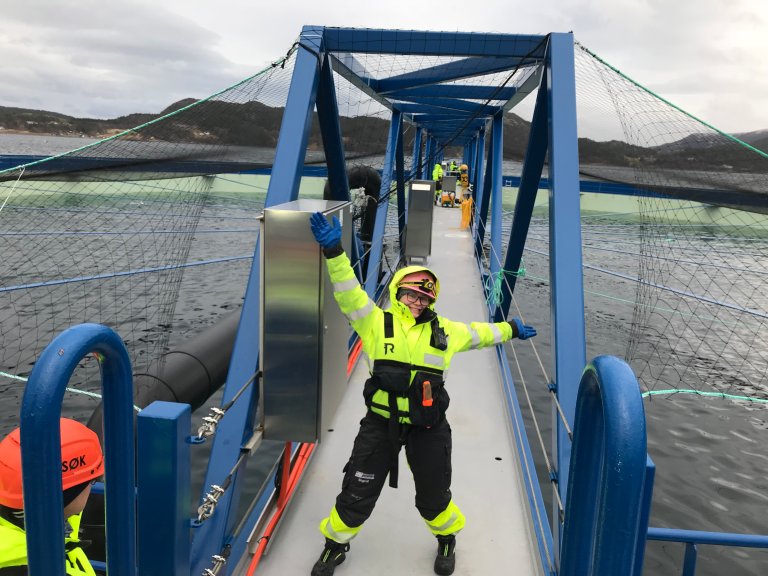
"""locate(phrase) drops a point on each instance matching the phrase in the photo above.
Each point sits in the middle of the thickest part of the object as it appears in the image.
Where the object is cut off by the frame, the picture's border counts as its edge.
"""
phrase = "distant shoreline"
(24, 132)
(14, 132)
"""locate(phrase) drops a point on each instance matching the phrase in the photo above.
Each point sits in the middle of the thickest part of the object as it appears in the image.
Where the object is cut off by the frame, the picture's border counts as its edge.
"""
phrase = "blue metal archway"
(448, 108)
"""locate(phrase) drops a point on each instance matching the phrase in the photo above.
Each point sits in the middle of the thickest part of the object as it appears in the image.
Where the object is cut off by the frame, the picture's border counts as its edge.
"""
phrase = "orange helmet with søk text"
(81, 461)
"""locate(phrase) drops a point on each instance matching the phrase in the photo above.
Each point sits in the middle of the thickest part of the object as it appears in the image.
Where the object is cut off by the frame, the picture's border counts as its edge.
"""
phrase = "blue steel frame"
(567, 289)
(553, 131)
(41, 456)
(605, 509)
(312, 84)
(162, 430)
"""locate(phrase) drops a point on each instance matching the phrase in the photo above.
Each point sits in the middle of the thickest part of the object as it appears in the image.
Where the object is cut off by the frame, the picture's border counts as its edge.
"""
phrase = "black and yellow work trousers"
(428, 451)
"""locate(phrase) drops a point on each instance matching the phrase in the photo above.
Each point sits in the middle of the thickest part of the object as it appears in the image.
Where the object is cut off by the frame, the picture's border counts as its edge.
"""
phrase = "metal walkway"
(486, 473)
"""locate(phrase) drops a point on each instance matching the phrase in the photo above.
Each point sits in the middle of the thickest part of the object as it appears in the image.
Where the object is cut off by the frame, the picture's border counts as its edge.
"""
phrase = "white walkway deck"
(486, 475)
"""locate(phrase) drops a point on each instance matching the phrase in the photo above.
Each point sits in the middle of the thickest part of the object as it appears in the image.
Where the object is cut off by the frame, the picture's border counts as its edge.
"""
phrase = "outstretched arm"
(354, 302)
(476, 335)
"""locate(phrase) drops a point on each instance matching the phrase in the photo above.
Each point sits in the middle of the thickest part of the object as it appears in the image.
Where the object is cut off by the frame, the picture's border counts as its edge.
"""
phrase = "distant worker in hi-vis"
(81, 463)
(411, 348)
(437, 176)
(464, 179)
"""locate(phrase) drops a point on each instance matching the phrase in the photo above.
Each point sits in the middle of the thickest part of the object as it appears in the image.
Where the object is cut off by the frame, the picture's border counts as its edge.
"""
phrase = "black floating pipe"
(189, 374)
(368, 178)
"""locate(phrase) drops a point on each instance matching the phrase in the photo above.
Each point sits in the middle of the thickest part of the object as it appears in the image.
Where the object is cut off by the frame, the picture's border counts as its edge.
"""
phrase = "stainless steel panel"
(418, 229)
(304, 335)
(449, 183)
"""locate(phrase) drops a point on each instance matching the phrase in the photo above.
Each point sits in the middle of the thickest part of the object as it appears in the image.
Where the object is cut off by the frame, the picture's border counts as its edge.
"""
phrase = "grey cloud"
(110, 58)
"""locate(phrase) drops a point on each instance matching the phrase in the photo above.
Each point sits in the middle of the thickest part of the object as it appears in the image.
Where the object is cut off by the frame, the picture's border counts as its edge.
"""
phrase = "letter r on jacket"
(389, 347)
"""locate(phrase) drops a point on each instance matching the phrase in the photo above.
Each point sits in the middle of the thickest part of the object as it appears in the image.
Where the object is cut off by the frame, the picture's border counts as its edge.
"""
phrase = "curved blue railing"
(605, 513)
(41, 453)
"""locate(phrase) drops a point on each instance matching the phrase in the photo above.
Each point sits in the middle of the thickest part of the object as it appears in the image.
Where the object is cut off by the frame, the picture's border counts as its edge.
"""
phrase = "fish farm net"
(674, 214)
(151, 230)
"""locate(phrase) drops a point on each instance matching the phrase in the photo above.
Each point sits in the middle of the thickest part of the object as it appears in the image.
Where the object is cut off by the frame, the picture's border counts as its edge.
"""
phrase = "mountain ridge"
(255, 124)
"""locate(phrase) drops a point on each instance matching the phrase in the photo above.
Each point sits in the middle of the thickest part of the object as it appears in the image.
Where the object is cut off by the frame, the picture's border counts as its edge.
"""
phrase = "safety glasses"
(412, 297)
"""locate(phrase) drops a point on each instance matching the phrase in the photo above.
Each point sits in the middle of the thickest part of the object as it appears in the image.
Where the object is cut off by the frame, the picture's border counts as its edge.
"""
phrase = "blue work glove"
(523, 332)
(327, 235)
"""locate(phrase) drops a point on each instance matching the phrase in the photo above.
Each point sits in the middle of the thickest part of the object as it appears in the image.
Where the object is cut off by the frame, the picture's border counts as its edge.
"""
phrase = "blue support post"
(209, 538)
(330, 130)
(483, 199)
(233, 430)
(645, 518)
(496, 202)
(41, 455)
(163, 489)
(567, 292)
(526, 198)
(297, 119)
(478, 165)
(333, 146)
(400, 177)
(417, 170)
(689, 561)
(374, 257)
(604, 510)
(429, 155)
(472, 162)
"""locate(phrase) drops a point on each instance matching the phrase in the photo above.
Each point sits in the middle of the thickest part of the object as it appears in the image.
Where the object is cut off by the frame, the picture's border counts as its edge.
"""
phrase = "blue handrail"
(41, 452)
(693, 537)
(605, 509)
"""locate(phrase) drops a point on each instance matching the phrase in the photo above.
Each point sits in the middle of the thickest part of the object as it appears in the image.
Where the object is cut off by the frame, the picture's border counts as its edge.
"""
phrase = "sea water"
(710, 454)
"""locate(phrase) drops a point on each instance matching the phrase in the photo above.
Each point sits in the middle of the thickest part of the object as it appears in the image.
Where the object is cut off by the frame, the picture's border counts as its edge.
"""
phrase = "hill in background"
(255, 124)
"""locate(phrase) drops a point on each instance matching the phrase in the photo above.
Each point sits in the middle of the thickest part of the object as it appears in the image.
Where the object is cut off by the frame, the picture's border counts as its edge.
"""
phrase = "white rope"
(10, 192)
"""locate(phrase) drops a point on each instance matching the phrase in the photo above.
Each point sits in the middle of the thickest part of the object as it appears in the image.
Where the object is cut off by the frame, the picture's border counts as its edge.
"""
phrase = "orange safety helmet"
(81, 461)
(421, 281)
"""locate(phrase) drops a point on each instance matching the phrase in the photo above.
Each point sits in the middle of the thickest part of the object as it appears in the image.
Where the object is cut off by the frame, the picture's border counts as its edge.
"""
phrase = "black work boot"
(445, 561)
(333, 554)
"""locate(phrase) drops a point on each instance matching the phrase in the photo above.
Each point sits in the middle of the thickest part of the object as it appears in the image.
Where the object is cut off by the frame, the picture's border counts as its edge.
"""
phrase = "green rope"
(652, 93)
(493, 283)
(68, 389)
(700, 393)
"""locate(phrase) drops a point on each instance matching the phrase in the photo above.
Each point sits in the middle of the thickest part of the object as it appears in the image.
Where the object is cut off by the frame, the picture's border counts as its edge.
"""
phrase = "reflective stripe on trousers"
(334, 528)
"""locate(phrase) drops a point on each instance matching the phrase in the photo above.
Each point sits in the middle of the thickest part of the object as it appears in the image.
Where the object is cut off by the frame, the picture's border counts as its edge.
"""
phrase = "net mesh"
(675, 249)
(674, 212)
(675, 239)
(698, 320)
(152, 230)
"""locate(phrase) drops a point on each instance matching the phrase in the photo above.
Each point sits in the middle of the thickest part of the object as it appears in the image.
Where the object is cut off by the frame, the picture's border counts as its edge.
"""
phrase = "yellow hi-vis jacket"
(13, 548)
(411, 343)
(437, 172)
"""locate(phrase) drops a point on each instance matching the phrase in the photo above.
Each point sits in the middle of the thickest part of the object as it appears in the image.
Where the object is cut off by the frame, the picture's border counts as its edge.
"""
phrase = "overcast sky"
(106, 58)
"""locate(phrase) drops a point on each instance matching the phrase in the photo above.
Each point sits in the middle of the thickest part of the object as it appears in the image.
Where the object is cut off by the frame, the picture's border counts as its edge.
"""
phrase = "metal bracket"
(210, 423)
(208, 507)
